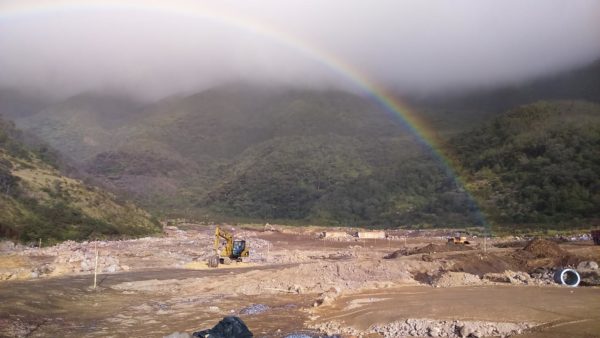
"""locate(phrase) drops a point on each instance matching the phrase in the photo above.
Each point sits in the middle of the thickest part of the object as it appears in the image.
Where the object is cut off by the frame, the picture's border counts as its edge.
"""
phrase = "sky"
(157, 48)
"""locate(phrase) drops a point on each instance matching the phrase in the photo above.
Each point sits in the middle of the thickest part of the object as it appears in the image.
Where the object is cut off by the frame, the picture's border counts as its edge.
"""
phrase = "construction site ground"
(295, 282)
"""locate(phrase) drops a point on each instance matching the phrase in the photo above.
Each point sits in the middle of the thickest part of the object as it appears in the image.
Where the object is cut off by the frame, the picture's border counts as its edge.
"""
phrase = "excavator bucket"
(213, 262)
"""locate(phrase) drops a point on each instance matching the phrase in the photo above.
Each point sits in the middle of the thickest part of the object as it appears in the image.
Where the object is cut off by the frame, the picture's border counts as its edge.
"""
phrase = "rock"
(519, 277)
(434, 331)
(497, 277)
(6, 276)
(254, 309)
(178, 335)
(228, 327)
(46, 269)
(84, 266)
(590, 278)
(7, 246)
(213, 308)
(587, 265)
(463, 331)
(111, 269)
(476, 334)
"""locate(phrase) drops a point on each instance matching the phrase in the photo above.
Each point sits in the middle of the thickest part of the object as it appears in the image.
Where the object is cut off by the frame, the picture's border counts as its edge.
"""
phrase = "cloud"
(157, 48)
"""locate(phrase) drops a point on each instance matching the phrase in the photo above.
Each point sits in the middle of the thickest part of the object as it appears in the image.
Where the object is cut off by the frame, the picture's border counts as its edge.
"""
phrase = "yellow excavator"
(233, 250)
(458, 239)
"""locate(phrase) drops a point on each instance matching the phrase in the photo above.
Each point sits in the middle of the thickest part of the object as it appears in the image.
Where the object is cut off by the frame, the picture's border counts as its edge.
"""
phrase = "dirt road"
(69, 307)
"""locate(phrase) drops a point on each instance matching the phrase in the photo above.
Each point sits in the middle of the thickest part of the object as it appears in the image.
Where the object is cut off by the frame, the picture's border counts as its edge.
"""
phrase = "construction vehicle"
(458, 239)
(596, 236)
(232, 251)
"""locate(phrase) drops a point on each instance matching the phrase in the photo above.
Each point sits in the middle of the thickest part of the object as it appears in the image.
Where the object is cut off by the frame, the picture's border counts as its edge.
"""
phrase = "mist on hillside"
(160, 48)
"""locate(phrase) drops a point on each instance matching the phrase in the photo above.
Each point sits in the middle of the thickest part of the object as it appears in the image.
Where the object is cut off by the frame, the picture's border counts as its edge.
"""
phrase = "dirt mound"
(542, 248)
(480, 264)
(428, 249)
(538, 253)
(511, 244)
(541, 253)
(450, 278)
(432, 248)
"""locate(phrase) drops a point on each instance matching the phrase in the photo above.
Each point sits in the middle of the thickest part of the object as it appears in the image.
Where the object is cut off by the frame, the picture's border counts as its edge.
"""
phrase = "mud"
(294, 282)
(490, 306)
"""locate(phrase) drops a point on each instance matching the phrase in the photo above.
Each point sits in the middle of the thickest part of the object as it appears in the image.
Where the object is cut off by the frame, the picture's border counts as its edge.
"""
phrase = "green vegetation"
(537, 164)
(252, 153)
(36, 201)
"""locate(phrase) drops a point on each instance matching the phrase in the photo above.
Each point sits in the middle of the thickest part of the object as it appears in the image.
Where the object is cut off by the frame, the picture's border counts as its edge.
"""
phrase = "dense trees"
(539, 163)
(341, 180)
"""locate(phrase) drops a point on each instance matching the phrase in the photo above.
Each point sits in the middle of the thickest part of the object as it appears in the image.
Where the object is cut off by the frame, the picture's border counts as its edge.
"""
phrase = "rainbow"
(211, 11)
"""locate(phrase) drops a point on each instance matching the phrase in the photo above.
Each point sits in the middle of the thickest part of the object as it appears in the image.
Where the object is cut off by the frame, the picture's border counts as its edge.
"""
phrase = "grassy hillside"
(36, 201)
(539, 163)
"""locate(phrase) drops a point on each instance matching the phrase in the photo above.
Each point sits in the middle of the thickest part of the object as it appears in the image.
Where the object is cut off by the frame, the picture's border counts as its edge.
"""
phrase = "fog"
(159, 48)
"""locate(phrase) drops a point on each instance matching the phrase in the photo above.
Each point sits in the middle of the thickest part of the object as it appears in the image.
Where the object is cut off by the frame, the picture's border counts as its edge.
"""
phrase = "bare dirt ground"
(410, 284)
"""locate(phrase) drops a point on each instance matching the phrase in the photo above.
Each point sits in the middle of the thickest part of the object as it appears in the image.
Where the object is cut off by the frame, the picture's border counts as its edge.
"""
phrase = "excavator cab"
(238, 248)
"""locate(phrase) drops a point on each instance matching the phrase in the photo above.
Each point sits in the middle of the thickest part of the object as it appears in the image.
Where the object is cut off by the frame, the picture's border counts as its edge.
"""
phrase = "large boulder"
(587, 265)
(590, 277)
(228, 327)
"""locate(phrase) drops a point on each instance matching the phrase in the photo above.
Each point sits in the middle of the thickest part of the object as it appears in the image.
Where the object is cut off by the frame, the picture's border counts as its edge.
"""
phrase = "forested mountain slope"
(538, 163)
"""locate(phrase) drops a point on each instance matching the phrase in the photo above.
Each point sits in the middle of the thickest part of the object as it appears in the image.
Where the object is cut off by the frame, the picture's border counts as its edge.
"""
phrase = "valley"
(299, 169)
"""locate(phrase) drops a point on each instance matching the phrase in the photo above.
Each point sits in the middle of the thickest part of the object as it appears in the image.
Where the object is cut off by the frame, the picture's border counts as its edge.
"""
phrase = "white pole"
(96, 264)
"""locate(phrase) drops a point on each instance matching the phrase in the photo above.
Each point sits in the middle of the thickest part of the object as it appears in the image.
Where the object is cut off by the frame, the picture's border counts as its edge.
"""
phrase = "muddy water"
(68, 307)
(566, 312)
